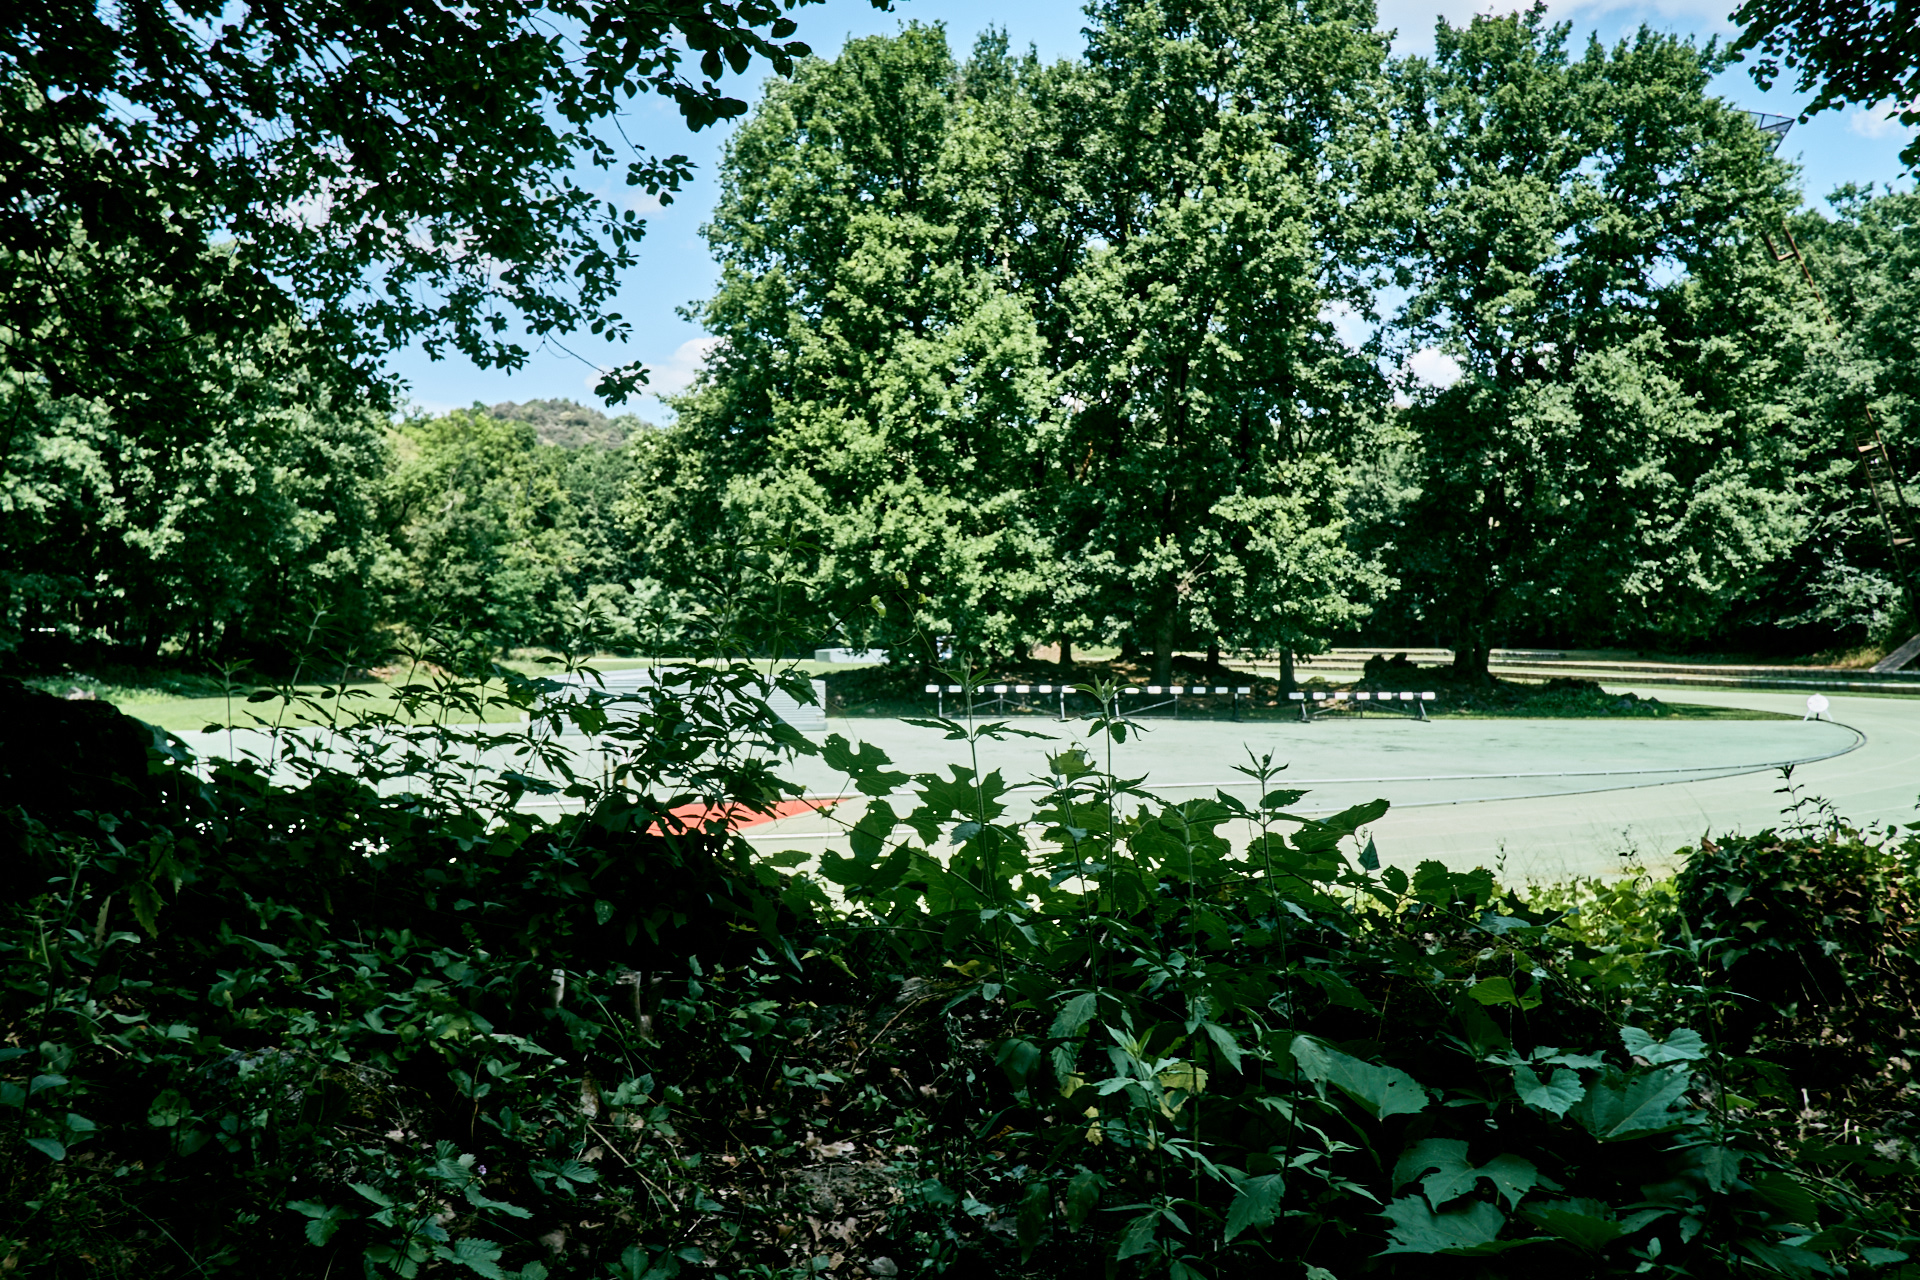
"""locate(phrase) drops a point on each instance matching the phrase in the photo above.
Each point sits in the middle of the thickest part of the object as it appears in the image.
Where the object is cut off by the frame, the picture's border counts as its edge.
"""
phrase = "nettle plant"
(1229, 1047)
(358, 1005)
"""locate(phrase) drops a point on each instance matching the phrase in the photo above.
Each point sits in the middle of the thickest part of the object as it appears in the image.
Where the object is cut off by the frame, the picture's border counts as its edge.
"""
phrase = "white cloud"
(1876, 122)
(1432, 367)
(642, 202)
(1349, 325)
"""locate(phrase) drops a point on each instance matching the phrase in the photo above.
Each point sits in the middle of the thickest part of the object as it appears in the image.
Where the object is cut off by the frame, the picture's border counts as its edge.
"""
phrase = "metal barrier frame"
(1361, 701)
(1170, 696)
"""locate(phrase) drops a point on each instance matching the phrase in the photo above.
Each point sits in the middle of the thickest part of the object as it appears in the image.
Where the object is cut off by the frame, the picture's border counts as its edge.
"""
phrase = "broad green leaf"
(48, 1147)
(1790, 1196)
(1139, 1236)
(1017, 1057)
(1030, 1224)
(1441, 1166)
(145, 900)
(1512, 1175)
(1255, 1203)
(1589, 1224)
(1682, 1046)
(1083, 1193)
(168, 1110)
(1382, 1091)
(479, 1200)
(1618, 1106)
(1471, 1230)
(1223, 1040)
(1553, 1096)
(1499, 990)
(1074, 1015)
(482, 1257)
(865, 766)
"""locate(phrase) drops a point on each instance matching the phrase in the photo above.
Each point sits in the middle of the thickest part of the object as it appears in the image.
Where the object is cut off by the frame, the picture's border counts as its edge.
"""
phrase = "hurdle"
(1003, 699)
(1171, 694)
(1006, 697)
(1360, 701)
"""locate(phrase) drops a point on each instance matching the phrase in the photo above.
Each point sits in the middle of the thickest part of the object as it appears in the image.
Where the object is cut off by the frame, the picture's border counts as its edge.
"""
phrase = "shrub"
(385, 1020)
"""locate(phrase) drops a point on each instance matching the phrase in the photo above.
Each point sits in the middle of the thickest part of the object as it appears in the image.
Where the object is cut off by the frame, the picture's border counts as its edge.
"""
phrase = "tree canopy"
(389, 173)
(1843, 51)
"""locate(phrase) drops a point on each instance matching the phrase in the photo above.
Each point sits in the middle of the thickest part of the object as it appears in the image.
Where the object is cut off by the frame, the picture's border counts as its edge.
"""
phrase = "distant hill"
(572, 425)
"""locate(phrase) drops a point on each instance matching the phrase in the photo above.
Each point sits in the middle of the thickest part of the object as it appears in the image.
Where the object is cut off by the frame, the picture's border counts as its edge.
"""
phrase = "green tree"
(1861, 372)
(859, 453)
(478, 520)
(1570, 481)
(225, 515)
(402, 173)
(1217, 146)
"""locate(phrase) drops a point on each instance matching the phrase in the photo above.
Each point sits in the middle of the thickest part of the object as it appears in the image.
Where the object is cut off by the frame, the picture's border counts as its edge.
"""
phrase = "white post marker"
(1817, 708)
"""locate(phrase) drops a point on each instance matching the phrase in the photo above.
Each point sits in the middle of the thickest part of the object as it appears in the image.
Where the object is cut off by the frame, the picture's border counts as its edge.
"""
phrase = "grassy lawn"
(186, 703)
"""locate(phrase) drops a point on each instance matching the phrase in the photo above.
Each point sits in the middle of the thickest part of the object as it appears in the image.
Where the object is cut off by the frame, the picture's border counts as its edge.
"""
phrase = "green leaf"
(168, 1110)
(145, 900)
(1036, 1203)
(1223, 1040)
(866, 766)
(480, 1201)
(1256, 1202)
(372, 1193)
(482, 1257)
(1553, 1096)
(575, 1171)
(1074, 1015)
(1618, 1106)
(1382, 1091)
(1017, 1058)
(1512, 1175)
(1588, 1224)
(48, 1147)
(1083, 1193)
(1468, 1231)
(325, 1219)
(1681, 1046)
(1790, 1196)
(1138, 1238)
(1451, 1175)
(1499, 990)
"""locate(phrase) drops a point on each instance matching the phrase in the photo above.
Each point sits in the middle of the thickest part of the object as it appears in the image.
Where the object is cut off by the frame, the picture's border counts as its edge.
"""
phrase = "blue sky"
(675, 268)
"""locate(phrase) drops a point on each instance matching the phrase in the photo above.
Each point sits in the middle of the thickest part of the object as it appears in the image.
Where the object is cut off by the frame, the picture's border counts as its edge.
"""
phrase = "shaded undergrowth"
(383, 1021)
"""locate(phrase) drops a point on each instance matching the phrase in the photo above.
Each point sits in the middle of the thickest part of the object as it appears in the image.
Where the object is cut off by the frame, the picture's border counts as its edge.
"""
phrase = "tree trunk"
(1213, 656)
(1286, 671)
(1163, 645)
(1471, 653)
(1066, 652)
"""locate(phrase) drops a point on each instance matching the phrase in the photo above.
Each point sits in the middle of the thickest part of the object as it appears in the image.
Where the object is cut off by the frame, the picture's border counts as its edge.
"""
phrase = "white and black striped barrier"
(1005, 696)
(1414, 704)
